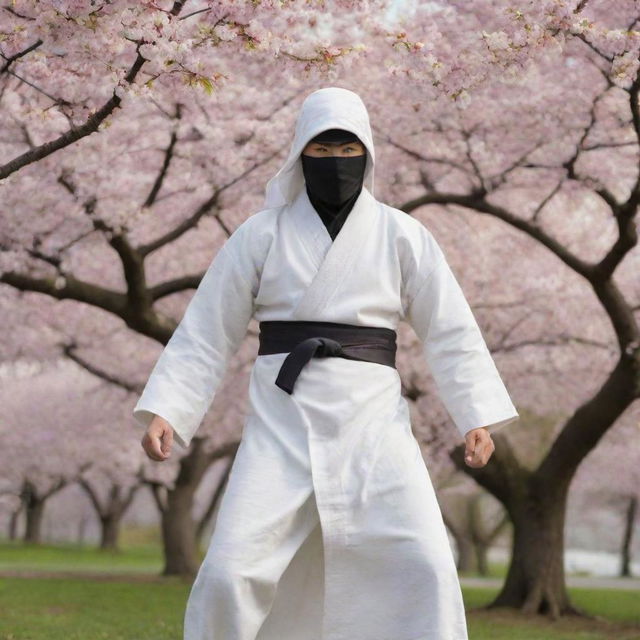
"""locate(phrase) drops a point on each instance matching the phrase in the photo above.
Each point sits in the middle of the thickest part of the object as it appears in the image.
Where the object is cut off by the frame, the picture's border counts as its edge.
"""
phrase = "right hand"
(158, 439)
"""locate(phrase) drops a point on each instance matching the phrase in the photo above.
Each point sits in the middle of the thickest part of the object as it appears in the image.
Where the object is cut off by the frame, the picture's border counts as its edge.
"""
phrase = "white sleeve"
(457, 356)
(183, 382)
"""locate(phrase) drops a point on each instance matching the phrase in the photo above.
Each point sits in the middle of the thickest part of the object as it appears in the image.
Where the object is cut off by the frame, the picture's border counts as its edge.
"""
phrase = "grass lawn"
(134, 558)
(100, 605)
(148, 609)
(81, 609)
(617, 611)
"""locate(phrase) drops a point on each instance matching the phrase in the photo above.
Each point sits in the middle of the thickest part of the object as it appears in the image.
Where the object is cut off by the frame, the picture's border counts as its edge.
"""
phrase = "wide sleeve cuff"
(185, 378)
(457, 356)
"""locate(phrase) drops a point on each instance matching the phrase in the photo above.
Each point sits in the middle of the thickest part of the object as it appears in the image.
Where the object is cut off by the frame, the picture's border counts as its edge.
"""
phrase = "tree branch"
(478, 203)
(74, 134)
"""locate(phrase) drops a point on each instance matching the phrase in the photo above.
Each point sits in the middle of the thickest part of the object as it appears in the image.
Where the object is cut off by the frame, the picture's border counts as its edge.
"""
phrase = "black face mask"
(330, 180)
(334, 180)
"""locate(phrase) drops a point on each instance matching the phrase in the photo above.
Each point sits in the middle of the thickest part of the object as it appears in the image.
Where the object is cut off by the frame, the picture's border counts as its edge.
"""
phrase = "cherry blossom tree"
(609, 479)
(92, 199)
(53, 439)
(558, 173)
(42, 452)
(174, 485)
(475, 523)
(122, 180)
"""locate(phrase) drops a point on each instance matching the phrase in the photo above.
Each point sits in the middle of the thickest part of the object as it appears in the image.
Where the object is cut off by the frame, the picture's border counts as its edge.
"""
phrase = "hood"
(327, 108)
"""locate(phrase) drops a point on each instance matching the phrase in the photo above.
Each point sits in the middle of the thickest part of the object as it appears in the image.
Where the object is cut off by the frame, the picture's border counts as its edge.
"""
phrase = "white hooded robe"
(329, 527)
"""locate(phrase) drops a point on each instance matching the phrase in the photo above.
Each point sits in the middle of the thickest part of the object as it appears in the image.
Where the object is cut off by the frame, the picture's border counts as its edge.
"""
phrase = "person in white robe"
(329, 527)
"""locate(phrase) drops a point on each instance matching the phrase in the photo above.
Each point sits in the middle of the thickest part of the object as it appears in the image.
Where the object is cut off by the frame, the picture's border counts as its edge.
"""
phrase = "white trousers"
(235, 587)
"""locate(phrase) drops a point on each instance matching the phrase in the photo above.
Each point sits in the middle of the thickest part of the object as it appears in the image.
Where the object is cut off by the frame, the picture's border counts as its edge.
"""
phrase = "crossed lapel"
(309, 229)
(333, 260)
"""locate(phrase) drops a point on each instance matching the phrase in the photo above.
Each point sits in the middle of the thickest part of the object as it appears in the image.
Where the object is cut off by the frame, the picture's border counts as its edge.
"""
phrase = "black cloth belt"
(305, 339)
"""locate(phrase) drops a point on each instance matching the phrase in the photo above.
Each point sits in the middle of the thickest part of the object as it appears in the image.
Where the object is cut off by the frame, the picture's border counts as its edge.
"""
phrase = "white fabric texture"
(329, 527)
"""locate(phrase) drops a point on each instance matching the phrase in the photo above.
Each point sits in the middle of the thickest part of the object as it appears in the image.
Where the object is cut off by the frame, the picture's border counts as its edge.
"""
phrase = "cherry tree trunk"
(472, 554)
(535, 581)
(536, 500)
(625, 570)
(466, 554)
(110, 528)
(13, 523)
(472, 557)
(178, 525)
(482, 550)
(179, 533)
(34, 513)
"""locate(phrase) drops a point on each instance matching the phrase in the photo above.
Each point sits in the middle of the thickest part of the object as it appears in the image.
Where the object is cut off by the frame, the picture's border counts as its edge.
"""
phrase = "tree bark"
(179, 533)
(467, 558)
(536, 500)
(110, 528)
(482, 563)
(464, 519)
(13, 522)
(625, 570)
(34, 513)
(535, 582)
(34, 504)
(180, 544)
(110, 511)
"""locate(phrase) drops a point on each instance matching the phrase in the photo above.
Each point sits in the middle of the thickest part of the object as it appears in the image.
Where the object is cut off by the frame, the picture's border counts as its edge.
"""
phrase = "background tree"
(96, 219)
(561, 169)
(40, 455)
(606, 484)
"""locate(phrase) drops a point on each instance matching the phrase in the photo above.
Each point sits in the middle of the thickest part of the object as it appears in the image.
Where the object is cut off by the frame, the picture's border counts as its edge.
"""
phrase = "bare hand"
(158, 439)
(479, 447)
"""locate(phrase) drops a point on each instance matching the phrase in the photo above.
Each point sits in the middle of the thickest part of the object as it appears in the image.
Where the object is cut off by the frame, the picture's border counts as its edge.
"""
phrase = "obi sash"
(304, 339)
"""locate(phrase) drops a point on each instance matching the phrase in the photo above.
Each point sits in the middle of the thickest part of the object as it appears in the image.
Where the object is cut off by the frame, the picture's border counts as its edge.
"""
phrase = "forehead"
(334, 144)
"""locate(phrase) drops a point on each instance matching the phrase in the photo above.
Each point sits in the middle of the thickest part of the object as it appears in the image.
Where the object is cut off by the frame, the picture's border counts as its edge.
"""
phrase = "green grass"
(613, 604)
(78, 609)
(622, 606)
(132, 558)
(142, 605)
(617, 611)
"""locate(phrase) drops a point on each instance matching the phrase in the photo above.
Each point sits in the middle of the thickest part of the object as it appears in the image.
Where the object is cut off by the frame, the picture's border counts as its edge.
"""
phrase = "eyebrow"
(335, 144)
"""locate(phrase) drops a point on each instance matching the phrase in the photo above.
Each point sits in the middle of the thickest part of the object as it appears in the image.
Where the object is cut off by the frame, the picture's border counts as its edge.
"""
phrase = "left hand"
(479, 447)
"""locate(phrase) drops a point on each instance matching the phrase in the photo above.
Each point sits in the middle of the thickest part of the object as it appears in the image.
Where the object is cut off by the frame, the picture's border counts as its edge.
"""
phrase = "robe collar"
(333, 260)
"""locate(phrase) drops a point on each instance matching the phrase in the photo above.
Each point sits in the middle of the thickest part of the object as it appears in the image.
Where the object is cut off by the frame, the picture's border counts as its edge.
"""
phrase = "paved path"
(591, 582)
